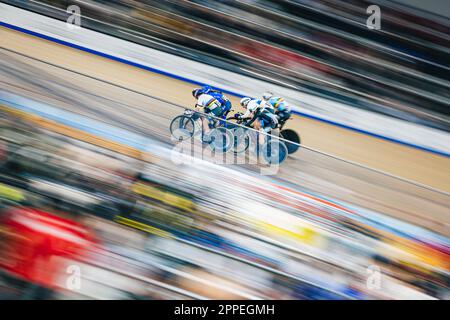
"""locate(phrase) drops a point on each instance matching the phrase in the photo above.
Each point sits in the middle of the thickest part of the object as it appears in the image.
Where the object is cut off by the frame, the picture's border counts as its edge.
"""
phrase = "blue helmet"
(267, 95)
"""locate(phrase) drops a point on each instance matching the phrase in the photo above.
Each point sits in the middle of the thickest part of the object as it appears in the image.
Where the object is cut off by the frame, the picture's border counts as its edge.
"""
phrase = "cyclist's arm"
(246, 114)
(250, 122)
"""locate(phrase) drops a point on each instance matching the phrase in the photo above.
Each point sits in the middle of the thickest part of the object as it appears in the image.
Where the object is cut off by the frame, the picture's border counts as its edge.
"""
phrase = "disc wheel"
(293, 137)
(274, 151)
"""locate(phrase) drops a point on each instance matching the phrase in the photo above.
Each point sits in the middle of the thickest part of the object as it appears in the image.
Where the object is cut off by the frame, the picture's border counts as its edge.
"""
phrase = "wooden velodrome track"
(110, 103)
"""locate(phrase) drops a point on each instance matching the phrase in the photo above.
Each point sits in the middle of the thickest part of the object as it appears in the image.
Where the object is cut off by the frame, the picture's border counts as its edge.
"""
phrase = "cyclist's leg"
(270, 120)
(227, 106)
(196, 115)
(209, 115)
(260, 125)
(216, 113)
(204, 120)
(257, 125)
(198, 120)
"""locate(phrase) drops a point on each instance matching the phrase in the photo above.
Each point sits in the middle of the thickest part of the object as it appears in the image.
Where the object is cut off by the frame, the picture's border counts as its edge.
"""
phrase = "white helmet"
(245, 101)
(267, 95)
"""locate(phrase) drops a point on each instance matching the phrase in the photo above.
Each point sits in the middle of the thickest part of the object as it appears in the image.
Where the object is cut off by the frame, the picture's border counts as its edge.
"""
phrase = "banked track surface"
(142, 102)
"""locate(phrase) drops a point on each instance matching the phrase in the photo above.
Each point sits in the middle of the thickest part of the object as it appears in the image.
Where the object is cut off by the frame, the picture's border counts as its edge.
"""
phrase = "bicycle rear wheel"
(274, 151)
(221, 139)
(294, 140)
(241, 139)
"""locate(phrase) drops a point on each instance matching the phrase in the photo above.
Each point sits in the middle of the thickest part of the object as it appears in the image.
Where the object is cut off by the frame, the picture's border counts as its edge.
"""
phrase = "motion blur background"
(96, 204)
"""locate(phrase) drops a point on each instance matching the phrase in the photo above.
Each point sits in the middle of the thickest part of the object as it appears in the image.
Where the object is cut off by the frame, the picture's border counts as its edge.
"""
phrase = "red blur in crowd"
(33, 243)
(280, 57)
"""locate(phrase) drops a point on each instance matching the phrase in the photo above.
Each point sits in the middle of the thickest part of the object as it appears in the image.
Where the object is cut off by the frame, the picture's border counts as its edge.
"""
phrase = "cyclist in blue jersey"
(225, 103)
(260, 114)
(280, 105)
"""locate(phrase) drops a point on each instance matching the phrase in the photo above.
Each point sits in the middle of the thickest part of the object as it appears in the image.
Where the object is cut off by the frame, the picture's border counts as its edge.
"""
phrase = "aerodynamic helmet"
(245, 101)
(267, 95)
(196, 93)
